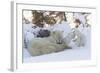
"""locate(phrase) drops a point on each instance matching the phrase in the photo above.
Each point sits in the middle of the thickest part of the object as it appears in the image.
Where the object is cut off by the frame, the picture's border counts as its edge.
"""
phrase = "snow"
(67, 55)
(76, 53)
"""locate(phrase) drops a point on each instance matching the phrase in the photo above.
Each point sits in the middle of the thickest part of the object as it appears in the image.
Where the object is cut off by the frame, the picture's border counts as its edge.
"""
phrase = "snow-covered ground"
(70, 54)
(76, 53)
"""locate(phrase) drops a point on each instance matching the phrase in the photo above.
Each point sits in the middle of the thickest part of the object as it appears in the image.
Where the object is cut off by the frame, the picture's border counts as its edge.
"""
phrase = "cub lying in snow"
(80, 38)
(76, 36)
(53, 43)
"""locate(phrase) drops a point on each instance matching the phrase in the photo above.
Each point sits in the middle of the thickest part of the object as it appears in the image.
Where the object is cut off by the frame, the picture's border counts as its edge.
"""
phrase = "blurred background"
(43, 18)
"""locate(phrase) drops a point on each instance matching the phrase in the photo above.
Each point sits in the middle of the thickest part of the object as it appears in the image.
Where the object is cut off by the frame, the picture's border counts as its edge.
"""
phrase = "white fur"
(76, 36)
(40, 46)
(79, 38)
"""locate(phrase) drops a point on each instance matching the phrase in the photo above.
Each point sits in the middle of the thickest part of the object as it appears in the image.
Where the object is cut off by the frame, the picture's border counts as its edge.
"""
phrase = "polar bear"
(53, 43)
(80, 38)
(75, 36)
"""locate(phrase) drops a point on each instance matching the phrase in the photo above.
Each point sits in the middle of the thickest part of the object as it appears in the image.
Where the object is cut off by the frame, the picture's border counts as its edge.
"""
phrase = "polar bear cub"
(80, 38)
(75, 36)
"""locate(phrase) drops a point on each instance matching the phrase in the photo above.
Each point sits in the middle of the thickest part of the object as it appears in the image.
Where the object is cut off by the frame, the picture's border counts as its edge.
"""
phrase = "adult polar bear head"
(53, 43)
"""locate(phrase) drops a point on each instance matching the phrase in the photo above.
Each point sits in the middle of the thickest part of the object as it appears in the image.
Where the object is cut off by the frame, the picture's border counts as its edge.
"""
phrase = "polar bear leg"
(48, 49)
(34, 52)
